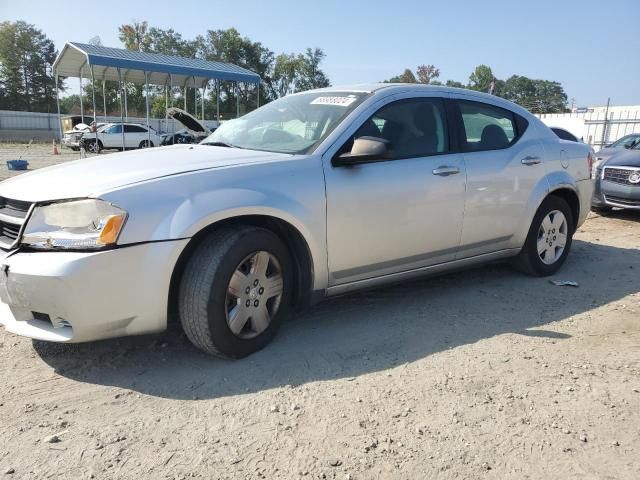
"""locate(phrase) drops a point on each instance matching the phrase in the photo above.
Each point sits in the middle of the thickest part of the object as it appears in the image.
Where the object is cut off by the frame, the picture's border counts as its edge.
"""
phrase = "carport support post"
(166, 105)
(173, 123)
(218, 102)
(104, 99)
(185, 96)
(123, 89)
(195, 98)
(204, 89)
(81, 102)
(237, 99)
(146, 87)
(58, 105)
(126, 108)
(258, 94)
(95, 122)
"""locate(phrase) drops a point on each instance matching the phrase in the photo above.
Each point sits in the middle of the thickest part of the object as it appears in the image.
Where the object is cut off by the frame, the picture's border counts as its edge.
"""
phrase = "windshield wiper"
(221, 144)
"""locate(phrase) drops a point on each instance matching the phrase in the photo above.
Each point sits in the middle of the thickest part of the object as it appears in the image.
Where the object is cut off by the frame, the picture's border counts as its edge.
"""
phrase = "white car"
(72, 138)
(110, 136)
(315, 194)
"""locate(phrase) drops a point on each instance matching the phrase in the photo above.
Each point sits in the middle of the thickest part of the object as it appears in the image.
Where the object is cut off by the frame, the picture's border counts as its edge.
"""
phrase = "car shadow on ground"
(365, 332)
(629, 215)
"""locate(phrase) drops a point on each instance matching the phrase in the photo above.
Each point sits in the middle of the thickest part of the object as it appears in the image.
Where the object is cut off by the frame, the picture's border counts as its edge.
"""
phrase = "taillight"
(590, 164)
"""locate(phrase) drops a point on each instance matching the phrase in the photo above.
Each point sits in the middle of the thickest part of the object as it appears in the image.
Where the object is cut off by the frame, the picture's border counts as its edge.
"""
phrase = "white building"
(597, 125)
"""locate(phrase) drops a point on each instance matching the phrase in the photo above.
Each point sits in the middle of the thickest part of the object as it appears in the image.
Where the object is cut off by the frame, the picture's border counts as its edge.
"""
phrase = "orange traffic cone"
(55, 148)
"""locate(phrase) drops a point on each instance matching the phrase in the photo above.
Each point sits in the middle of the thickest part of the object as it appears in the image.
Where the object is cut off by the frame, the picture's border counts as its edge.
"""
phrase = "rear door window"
(487, 127)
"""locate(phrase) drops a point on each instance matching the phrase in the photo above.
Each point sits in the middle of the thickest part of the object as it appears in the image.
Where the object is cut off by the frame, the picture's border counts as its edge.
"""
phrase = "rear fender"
(551, 182)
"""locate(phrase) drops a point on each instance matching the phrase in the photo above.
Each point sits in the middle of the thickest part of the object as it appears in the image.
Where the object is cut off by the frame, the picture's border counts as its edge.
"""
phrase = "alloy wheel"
(254, 294)
(552, 237)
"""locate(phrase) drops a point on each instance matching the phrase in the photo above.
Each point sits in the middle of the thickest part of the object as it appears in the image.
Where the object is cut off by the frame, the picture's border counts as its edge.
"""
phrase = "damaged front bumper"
(79, 296)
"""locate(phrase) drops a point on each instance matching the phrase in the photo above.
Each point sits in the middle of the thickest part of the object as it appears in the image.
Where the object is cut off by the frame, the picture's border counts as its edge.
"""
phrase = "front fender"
(180, 206)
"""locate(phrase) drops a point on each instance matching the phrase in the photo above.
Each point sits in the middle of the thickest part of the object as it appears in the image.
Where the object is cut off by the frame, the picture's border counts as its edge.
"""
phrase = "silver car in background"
(605, 153)
(315, 194)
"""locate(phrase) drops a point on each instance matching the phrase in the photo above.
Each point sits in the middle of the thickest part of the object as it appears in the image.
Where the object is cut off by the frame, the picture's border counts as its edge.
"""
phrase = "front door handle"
(445, 171)
(530, 160)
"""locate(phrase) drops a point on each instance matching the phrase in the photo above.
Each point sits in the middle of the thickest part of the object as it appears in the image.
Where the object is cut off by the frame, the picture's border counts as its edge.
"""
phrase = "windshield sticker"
(337, 101)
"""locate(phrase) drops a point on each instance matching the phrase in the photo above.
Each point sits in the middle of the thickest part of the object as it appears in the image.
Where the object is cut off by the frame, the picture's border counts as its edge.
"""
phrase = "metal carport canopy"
(76, 59)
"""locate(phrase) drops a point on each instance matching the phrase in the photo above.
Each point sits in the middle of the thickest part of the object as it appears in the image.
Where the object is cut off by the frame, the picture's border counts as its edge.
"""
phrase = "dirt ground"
(480, 374)
(38, 155)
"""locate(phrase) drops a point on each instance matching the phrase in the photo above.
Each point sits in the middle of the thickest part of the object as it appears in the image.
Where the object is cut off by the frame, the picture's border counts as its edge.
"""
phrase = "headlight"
(596, 165)
(77, 224)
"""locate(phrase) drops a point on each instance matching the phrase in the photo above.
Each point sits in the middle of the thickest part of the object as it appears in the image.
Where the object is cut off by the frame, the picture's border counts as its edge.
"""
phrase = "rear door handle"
(530, 160)
(445, 171)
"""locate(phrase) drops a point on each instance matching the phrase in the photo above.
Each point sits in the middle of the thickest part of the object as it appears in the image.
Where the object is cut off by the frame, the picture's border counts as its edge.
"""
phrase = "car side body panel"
(291, 190)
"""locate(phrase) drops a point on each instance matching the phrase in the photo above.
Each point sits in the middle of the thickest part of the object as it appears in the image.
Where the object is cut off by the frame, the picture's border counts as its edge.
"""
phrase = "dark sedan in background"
(618, 181)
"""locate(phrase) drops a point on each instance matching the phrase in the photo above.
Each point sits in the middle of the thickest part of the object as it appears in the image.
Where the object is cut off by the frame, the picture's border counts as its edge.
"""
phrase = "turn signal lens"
(111, 229)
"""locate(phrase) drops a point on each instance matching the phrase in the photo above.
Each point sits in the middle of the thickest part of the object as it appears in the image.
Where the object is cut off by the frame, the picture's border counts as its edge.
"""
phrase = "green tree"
(296, 73)
(538, 96)
(405, 77)
(283, 78)
(309, 74)
(454, 83)
(280, 75)
(480, 78)
(26, 59)
(134, 36)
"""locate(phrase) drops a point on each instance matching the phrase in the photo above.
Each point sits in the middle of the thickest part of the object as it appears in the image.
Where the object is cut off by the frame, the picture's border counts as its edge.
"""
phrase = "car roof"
(417, 87)
(125, 123)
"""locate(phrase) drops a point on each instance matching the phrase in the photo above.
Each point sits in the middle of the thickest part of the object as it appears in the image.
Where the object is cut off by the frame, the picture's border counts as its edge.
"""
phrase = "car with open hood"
(316, 194)
(194, 130)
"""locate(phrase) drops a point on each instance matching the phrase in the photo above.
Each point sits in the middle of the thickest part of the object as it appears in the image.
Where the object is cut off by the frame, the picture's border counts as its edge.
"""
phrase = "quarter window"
(413, 128)
(487, 127)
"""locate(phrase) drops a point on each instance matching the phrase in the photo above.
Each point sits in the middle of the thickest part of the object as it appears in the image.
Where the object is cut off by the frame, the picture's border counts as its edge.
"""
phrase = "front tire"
(93, 146)
(549, 239)
(235, 291)
(145, 144)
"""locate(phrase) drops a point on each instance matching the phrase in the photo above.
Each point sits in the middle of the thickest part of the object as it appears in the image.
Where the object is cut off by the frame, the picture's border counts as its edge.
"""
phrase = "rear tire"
(227, 307)
(549, 239)
(145, 144)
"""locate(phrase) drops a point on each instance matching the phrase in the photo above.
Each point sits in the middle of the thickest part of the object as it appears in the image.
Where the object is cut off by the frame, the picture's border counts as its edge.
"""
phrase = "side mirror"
(364, 150)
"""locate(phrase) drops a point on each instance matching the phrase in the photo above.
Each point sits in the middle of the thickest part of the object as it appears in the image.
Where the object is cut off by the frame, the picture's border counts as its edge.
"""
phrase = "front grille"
(619, 175)
(13, 215)
(627, 202)
(14, 208)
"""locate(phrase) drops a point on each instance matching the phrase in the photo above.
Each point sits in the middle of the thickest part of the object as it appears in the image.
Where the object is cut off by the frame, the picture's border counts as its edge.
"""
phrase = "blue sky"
(591, 47)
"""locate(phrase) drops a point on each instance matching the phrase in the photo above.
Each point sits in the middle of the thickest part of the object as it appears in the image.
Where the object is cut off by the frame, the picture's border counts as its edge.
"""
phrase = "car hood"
(628, 158)
(607, 153)
(93, 176)
(188, 121)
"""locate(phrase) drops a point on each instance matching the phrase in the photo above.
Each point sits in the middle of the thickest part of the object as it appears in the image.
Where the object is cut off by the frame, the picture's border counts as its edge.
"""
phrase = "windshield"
(627, 141)
(292, 124)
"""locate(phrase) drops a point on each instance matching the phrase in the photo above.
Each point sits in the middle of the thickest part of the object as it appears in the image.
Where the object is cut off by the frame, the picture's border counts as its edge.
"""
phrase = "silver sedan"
(315, 194)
